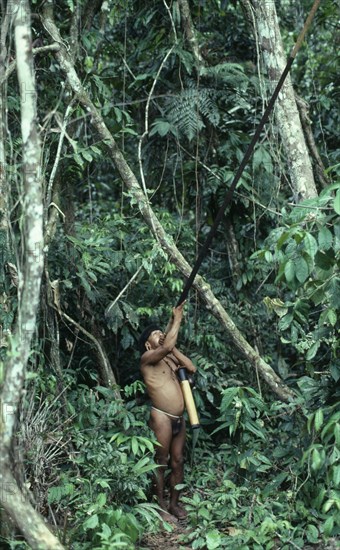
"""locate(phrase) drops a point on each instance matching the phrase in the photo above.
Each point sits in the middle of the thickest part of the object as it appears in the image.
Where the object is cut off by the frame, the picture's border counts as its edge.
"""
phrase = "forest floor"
(164, 540)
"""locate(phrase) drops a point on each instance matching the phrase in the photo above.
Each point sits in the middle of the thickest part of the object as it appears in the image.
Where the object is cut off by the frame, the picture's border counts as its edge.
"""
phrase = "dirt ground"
(165, 540)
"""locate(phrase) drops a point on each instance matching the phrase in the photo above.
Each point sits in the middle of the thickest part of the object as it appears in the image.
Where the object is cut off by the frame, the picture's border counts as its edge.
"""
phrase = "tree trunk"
(12, 499)
(233, 252)
(267, 33)
(4, 216)
(167, 243)
(189, 31)
(319, 168)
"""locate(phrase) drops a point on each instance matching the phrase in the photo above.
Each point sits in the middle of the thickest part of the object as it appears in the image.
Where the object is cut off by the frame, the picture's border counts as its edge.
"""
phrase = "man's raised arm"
(167, 343)
(183, 360)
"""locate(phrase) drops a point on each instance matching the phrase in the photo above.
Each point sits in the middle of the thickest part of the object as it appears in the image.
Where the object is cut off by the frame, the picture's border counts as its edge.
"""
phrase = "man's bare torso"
(163, 386)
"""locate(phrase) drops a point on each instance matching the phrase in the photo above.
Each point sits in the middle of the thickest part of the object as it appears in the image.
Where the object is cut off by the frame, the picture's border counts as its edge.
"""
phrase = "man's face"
(156, 338)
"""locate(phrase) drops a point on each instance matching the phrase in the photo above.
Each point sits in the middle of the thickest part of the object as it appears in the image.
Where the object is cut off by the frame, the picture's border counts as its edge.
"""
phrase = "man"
(159, 363)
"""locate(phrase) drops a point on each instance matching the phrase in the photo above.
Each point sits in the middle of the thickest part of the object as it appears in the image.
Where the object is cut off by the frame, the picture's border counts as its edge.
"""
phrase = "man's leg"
(177, 470)
(162, 428)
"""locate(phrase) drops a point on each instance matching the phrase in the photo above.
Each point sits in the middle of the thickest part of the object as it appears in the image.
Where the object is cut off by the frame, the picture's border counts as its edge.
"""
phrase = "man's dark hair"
(145, 335)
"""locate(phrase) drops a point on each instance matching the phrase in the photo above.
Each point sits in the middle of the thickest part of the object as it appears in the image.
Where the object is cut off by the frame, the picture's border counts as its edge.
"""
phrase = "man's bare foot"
(177, 511)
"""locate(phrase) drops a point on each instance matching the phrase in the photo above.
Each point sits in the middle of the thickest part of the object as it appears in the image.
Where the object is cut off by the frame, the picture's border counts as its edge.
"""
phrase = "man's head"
(149, 339)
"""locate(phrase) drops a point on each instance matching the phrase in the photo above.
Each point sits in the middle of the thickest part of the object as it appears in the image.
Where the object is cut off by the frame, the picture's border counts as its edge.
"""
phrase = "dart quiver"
(188, 398)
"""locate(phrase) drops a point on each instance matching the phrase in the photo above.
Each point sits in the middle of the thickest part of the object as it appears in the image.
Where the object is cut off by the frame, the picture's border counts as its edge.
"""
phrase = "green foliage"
(111, 486)
(292, 501)
(196, 106)
(266, 474)
(305, 252)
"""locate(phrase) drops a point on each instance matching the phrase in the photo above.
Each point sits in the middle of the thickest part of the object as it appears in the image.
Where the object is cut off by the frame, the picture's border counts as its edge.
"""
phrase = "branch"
(146, 121)
(58, 154)
(108, 309)
(167, 243)
(43, 49)
(106, 371)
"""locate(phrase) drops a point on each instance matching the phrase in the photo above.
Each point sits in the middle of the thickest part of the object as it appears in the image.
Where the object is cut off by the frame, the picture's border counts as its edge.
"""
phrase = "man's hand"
(177, 312)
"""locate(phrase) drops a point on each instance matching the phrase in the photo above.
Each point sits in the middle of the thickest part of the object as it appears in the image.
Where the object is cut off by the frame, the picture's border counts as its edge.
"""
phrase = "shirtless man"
(159, 363)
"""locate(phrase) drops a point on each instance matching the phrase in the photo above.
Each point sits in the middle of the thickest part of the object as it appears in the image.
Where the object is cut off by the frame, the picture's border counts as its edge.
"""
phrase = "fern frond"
(228, 73)
(188, 109)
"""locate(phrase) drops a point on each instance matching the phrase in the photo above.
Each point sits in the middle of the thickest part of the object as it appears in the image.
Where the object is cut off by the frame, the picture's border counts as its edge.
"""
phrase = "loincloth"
(176, 421)
(168, 414)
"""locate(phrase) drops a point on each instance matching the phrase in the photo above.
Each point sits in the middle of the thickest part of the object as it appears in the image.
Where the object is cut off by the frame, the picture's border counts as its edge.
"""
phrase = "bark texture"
(4, 244)
(319, 168)
(167, 243)
(30, 523)
(267, 33)
(189, 31)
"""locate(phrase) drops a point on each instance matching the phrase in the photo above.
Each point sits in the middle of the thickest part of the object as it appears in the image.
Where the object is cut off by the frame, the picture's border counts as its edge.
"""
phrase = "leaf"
(261, 157)
(301, 270)
(289, 271)
(101, 499)
(228, 396)
(318, 420)
(134, 445)
(328, 526)
(332, 317)
(328, 505)
(311, 246)
(87, 156)
(336, 229)
(106, 531)
(325, 238)
(204, 513)
(233, 531)
(277, 305)
(337, 202)
(255, 430)
(161, 127)
(312, 350)
(198, 543)
(312, 533)
(336, 476)
(316, 460)
(213, 539)
(268, 256)
(335, 372)
(91, 522)
(285, 321)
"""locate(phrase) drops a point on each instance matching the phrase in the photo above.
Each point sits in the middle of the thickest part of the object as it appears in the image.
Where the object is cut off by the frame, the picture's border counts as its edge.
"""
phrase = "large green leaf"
(301, 270)
(311, 245)
(325, 238)
(337, 202)
(290, 270)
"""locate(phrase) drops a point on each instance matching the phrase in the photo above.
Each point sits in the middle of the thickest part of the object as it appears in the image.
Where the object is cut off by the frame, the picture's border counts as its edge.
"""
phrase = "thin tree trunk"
(4, 216)
(233, 252)
(319, 168)
(189, 31)
(267, 32)
(30, 523)
(6, 523)
(165, 240)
